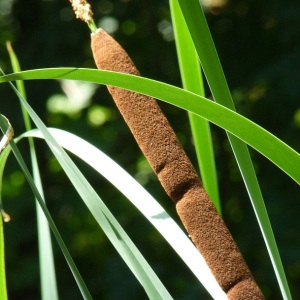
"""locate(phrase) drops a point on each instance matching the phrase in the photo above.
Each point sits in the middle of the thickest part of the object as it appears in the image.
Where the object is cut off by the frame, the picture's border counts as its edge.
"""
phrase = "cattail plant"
(178, 177)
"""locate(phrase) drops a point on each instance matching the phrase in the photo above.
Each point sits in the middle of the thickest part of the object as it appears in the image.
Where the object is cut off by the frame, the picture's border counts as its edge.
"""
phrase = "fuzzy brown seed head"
(159, 143)
(82, 10)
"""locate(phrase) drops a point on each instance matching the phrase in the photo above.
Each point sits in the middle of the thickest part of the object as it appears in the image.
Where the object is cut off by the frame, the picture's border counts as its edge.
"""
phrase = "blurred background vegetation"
(259, 47)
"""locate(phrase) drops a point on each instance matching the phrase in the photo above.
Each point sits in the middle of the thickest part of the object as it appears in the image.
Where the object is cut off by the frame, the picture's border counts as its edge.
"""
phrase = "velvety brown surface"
(245, 290)
(159, 144)
(212, 238)
(145, 119)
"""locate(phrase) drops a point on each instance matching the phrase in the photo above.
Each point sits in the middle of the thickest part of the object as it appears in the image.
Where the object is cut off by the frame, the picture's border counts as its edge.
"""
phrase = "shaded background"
(259, 47)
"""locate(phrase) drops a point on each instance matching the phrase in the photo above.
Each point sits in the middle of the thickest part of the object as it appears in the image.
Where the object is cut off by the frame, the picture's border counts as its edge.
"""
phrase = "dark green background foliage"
(259, 47)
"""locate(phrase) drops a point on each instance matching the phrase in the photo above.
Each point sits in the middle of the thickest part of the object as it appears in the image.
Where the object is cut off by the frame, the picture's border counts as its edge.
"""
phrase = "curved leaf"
(143, 201)
(261, 140)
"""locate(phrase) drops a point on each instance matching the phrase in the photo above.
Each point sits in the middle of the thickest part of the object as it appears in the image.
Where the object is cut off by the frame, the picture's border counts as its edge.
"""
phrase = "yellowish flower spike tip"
(84, 12)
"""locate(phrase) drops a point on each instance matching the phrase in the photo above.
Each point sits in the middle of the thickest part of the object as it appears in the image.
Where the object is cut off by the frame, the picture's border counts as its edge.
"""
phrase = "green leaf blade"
(125, 247)
(192, 81)
(258, 138)
(3, 290)
(143, 201)
(211, 65)
(47, 269)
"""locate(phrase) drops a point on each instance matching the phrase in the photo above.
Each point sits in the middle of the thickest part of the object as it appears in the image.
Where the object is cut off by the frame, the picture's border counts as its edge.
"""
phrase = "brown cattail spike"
(149, 126)
(159, 144)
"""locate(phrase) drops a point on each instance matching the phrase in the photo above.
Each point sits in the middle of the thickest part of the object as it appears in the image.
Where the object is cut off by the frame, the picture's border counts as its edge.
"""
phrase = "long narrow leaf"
(196, 22)
(3, 292)
(260, 139)
(47, 269)
(150, 208)
(125, 247)
(77, 276)
(192, 81)
(19, 83)
(3, 288)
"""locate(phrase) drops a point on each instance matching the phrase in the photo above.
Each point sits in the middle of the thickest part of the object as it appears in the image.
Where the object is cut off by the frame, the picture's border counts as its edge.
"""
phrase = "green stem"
(92, 26)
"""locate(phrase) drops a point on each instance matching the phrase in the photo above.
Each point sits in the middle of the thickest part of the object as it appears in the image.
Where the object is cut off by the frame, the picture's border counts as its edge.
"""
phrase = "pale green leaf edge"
(143, 201)
(4, 155)
(125, 247)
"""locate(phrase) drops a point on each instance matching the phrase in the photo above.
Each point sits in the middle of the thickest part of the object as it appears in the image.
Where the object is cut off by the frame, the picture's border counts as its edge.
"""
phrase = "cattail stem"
(92, 26)
(159, 144)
